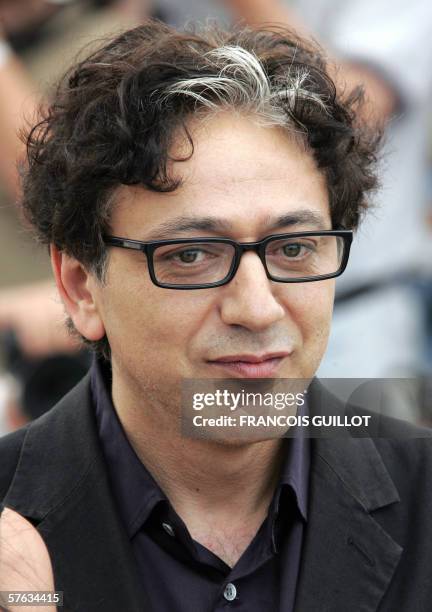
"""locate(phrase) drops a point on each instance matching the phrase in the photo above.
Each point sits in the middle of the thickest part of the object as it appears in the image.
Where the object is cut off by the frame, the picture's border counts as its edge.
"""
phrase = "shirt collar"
(136, 491)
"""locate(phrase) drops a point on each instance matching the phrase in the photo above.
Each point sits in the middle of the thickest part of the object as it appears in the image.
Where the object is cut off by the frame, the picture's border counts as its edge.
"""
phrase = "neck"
(200, 477)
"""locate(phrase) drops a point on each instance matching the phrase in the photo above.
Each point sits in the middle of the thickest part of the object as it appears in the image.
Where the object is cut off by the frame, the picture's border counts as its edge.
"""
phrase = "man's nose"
(248, 299)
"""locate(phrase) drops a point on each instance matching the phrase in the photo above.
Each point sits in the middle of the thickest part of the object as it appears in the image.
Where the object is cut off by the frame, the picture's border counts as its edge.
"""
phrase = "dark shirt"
(178, 573)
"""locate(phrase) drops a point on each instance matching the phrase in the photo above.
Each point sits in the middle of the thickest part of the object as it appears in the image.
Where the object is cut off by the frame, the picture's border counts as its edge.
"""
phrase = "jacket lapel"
(61, 486)
(348, 560)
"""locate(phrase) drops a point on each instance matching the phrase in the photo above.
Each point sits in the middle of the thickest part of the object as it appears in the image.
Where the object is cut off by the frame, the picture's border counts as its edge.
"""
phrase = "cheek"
(152, 322)
(312, 309)
(312, 313)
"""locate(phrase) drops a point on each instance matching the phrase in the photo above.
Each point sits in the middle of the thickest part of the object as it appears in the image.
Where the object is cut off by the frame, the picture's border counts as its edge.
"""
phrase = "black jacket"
(368, 542)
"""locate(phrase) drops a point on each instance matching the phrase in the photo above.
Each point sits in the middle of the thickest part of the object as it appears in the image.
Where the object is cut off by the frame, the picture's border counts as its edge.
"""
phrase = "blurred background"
(383, 313)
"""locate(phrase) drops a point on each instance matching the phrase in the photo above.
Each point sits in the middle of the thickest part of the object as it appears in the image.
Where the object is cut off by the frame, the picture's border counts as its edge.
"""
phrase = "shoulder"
(407, 458)
(406, 451)
(401, 443)
(46, 438)
(10, 449)
(403, 446)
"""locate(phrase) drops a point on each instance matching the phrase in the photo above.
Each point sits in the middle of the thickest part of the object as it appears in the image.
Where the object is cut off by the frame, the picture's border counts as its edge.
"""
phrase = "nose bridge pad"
(259, 250)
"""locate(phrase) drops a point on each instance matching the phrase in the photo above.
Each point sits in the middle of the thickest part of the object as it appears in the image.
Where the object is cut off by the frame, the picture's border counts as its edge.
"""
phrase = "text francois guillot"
(278, 401)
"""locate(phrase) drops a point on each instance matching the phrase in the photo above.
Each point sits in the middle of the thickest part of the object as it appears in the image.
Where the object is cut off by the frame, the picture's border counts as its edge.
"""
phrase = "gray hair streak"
(239, 83)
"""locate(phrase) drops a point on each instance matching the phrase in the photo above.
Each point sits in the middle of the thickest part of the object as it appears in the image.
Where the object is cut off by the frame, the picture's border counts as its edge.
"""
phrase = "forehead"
(241, 174)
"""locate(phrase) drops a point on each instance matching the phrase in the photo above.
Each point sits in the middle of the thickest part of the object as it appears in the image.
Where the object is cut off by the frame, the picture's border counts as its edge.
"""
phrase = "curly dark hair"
(113, 117)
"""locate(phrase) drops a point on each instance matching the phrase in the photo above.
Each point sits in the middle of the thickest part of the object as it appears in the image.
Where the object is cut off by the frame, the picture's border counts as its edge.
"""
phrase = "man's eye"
(292, 250)
(295, 250)
(189, 256)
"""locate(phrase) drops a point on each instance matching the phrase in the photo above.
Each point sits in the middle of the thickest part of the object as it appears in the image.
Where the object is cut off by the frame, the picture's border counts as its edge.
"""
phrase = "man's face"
(244, 177)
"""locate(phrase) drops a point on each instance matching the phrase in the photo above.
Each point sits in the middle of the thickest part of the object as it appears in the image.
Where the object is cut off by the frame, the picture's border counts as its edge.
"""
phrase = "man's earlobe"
(76, 287)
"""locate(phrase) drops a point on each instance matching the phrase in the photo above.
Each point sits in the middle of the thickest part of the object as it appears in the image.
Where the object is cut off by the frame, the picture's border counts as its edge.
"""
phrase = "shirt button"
(230, 592)
(168, 529)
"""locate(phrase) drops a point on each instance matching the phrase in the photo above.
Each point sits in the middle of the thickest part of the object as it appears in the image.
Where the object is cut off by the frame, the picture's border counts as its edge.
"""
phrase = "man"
(198, 193)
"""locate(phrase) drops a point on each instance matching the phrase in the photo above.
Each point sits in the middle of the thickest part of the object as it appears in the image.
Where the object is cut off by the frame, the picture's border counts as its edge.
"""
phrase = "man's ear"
(76, 287)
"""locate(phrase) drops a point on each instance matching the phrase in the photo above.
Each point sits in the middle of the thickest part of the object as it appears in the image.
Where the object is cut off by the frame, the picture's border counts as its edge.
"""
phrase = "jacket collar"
(61, 485)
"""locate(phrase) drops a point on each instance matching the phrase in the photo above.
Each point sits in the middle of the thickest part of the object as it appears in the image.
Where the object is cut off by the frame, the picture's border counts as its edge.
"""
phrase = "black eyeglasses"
(200, 263)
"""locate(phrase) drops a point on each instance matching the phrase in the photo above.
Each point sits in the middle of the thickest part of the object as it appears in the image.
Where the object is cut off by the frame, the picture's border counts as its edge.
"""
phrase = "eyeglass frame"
(259, 247)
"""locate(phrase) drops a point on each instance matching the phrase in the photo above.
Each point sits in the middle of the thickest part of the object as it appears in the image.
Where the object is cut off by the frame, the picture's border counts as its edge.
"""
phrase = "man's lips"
(251, 366)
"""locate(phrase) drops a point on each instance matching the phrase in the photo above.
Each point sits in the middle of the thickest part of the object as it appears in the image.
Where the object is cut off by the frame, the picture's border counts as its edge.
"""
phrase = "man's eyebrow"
(222, 226)
(299, 217)
(185, 224)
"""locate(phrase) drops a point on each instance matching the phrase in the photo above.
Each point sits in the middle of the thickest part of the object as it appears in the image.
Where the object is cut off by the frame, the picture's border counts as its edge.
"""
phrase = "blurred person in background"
(38, 39)
(31, 313)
